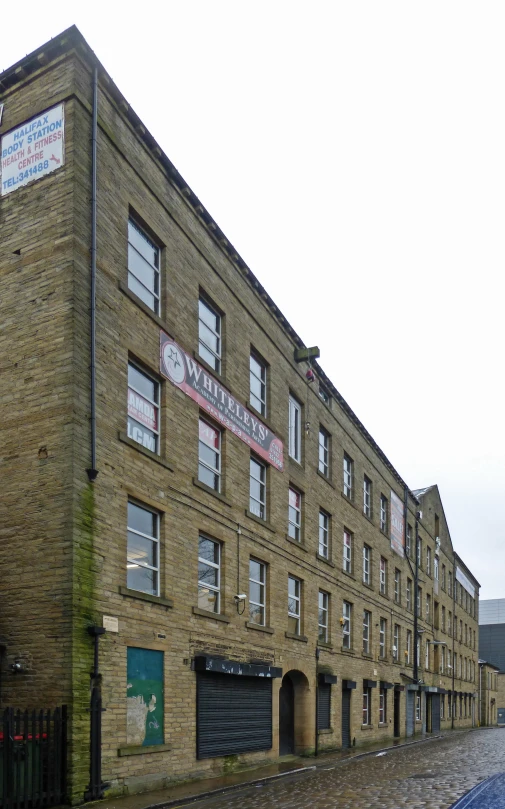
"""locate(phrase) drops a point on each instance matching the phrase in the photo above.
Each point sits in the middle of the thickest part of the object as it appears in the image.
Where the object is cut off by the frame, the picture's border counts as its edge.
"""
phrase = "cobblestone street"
(431, 775)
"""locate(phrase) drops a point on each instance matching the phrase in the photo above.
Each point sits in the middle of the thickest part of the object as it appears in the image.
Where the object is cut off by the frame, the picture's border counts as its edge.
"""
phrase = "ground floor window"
(367, 700)
(418, 707)
(383, 695)
(442, 706)
(144, 697)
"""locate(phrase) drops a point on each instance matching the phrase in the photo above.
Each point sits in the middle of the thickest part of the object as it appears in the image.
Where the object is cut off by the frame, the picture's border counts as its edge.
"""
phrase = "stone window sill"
(259, 627)
(163, 602)
(215, 616)
(205, 488)
(367, 655)
(292, 635)
(325, 731)
(137, 750)
(349, 575)
(300, 545)
(347, 651)
(324, 559)
(348, 500)
(382, 725)
(144, 451)
(325, 478)
(263, 523)
(141, 305)
(323, 645)
(366, 727)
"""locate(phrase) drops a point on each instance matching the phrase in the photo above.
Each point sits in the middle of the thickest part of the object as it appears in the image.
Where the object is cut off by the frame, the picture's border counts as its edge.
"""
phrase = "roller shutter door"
(346, 718)
(234, 714)
(435, 713)
(323, 706)
(410, 713)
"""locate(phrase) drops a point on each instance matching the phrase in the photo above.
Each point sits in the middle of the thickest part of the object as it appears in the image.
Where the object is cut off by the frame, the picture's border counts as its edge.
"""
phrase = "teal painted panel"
(144, 697)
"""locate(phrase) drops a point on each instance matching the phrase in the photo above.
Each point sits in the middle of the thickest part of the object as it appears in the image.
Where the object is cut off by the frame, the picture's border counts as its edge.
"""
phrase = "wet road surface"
(431, 775)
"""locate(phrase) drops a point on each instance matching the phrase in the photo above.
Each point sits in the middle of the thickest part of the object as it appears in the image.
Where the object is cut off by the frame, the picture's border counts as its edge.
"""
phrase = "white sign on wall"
(33, 150)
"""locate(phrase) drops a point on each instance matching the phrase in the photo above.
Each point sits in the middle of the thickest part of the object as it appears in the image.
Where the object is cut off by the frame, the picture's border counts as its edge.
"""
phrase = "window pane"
(140, 519)
(143, 271)
(142, 292)
(208, 316)
(143, 244)
(141, 550)
(255, 570)
(207, 549)
(142, 383)
(143, 579)
(207, 574)
(256, 592)
(209, 339)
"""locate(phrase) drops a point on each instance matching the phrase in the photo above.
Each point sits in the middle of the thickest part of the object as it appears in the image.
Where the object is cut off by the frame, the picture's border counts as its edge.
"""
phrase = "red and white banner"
(142, 410)
(188, 375)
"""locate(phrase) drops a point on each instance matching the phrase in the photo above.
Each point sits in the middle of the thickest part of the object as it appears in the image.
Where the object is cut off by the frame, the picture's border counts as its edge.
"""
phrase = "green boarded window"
(144, 697)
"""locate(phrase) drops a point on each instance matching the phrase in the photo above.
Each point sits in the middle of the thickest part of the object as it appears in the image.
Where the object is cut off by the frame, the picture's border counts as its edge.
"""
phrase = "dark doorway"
(410, 713)
(286, 717)
(346, 717)
(396, 714)
(435, 713)
(429, 714)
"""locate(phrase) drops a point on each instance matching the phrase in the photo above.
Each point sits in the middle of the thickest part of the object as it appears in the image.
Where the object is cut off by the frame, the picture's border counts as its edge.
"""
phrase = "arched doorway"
(295, 725)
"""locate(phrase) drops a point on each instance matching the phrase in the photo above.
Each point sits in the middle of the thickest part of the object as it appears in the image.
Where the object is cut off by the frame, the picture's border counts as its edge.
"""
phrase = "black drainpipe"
(316, 746)
(92, 471)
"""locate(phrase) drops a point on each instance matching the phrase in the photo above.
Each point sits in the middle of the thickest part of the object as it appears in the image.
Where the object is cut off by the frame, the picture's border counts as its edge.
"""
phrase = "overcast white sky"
(353, 153)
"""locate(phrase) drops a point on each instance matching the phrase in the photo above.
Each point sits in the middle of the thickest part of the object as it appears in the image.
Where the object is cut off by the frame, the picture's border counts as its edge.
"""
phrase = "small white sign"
(110, 623)
(32, 150)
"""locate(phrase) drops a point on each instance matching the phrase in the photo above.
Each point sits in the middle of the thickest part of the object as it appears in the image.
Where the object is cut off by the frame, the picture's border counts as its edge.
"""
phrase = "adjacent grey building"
(492, 631)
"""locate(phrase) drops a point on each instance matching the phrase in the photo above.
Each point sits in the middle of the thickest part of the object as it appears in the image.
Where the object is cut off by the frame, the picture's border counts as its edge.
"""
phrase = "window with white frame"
(346, 624)
(367, 699)
(257, 488)
(383, 570)
(324, 452)
(418, 707)
(428, 561)
(449, 624)
(295, 514)
(323, 612)
(383, 706)
(420, 554)
(325, 396)
(209, 334)
(324, 534)
(442, 659)
(428, 607)
(443, 577)
(347, 560)
(409, 594)
(367, 553)
(143, 267)
(295, 429)
(449, 589)
(398, 586)
(258, 384)
(435, 568)
(143, 408)
(443, 619)
(142, 561)
(427, 656)
(418, 603)
(408, 542)
(408, 650)
(209, 455)
(348, 476)
(257, 592)
(418, 650)
(367, 497)
(209, 574)
(294, 605)
(382, 637)
(396, 643)
(384, 514)
(367, 621)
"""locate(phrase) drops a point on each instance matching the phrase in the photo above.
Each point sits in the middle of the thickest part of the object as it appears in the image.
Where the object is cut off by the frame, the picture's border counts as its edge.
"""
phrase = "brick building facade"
(178, 471)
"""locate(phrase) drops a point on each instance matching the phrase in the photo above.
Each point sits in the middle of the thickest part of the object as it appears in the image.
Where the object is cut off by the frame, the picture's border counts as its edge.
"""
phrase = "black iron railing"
(33, 767)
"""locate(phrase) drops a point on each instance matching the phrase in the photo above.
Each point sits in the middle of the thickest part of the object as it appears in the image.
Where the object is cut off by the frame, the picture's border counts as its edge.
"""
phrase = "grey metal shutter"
(410, 713)
(323, 706)
(234, 714)
(346, 718)
(435, 713)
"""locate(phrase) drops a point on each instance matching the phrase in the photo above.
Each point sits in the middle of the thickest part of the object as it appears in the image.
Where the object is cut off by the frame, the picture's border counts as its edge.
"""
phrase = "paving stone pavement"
(431, 775)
